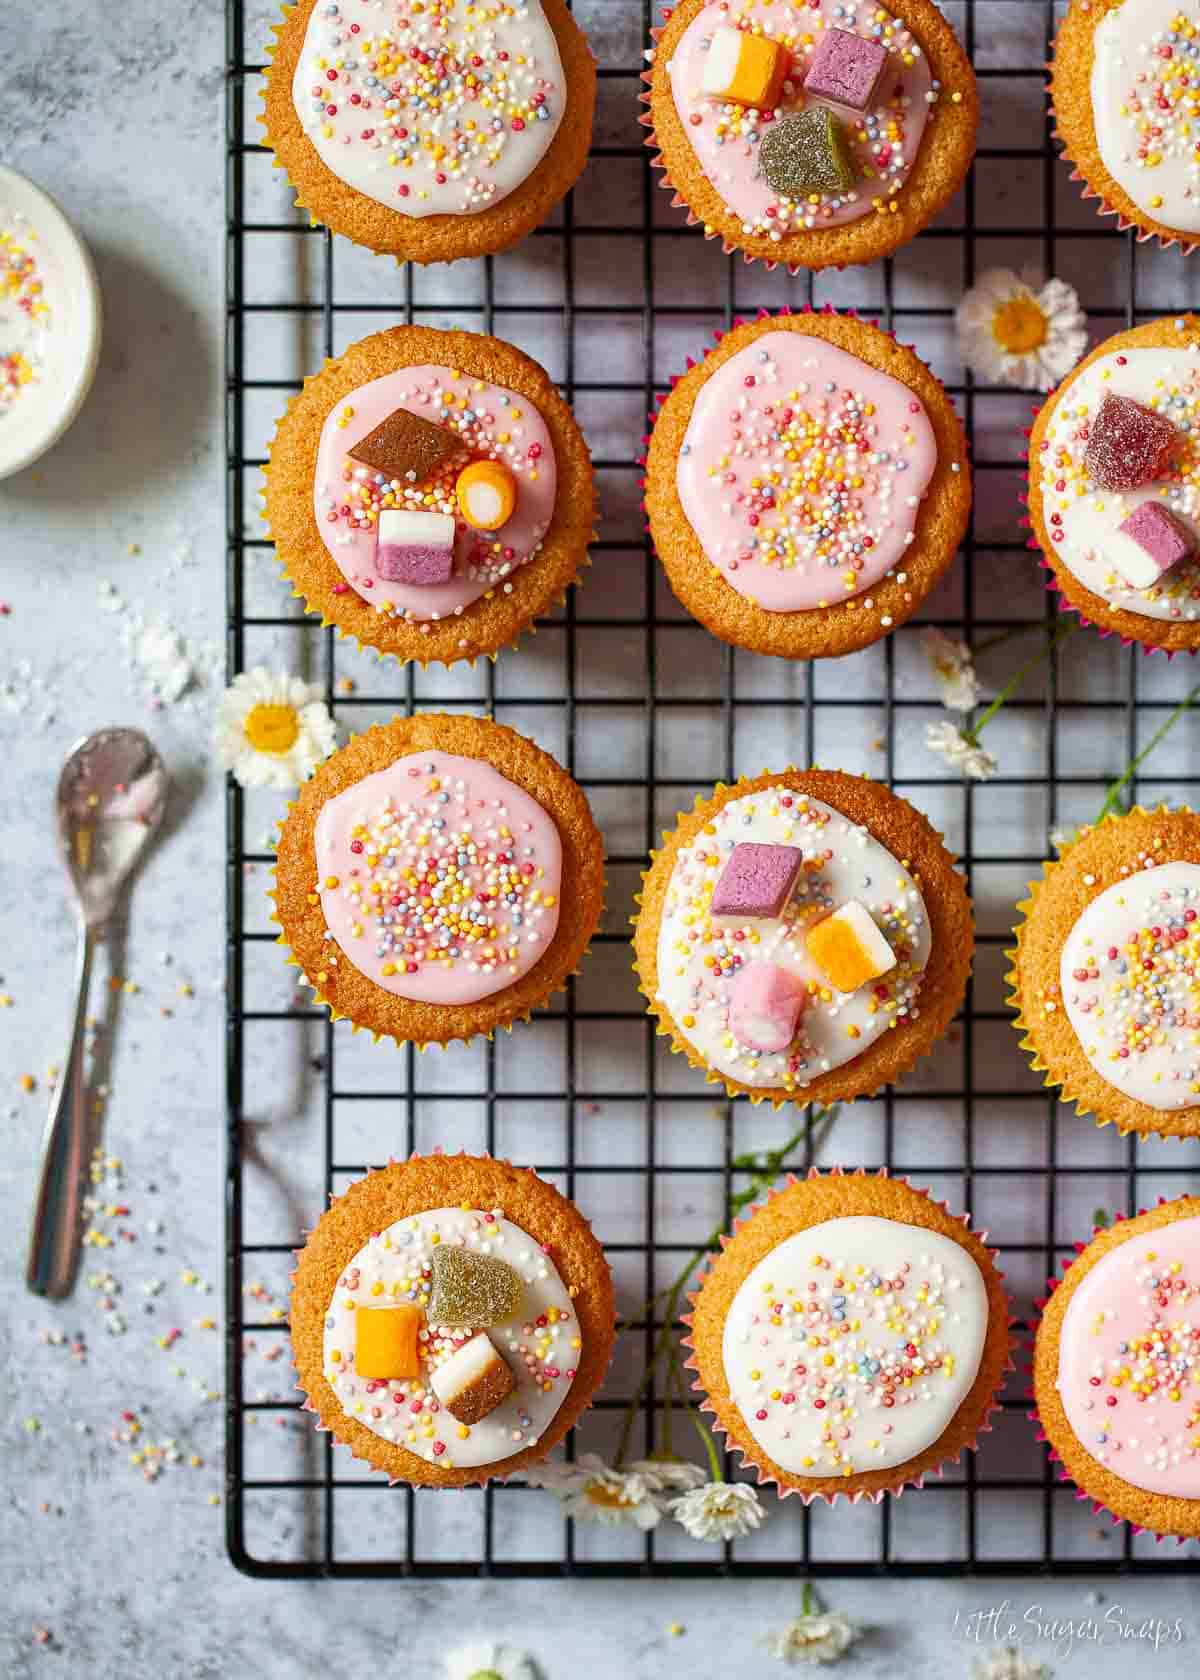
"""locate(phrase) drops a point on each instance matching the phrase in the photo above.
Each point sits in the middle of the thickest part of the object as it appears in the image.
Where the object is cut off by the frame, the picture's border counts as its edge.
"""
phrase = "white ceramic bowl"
(43, 411)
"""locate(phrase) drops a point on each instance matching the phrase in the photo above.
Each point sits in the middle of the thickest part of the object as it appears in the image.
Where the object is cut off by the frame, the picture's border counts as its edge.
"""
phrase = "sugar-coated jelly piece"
(385, 1342)
(744, 69)
(805, 153)
(472, 1289)
(764, 1006)
(1128, 445)
(848, 947)
(846, 68)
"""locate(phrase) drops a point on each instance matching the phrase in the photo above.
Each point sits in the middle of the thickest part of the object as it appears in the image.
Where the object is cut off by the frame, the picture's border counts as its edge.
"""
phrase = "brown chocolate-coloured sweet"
(405, 446)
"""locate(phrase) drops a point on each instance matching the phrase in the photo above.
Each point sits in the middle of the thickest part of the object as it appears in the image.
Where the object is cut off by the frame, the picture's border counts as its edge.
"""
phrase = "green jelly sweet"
(805, 153)
(472, 1290)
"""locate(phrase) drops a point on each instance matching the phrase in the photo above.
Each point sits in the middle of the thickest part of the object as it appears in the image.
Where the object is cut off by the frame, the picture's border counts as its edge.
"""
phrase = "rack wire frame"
(639, 241)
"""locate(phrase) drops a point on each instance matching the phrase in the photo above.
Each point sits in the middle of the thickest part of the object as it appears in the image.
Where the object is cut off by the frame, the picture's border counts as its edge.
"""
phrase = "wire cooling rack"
(647, 709)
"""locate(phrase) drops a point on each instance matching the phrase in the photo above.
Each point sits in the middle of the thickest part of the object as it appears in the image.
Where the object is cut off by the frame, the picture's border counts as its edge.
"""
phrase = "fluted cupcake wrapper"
(747, 1451)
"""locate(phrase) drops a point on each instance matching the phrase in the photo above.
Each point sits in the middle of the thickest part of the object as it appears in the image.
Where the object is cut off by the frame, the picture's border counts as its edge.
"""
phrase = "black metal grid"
(636, 245)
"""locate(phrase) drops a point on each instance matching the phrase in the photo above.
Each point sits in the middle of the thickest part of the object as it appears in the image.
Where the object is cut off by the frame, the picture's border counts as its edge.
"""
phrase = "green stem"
(809, 1604)
(766, 1168)
(990, 642)
(1112, 800)
(1062, 629)
(715, 1471)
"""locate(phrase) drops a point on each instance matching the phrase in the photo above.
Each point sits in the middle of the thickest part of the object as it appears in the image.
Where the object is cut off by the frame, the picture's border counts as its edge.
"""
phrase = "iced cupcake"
(813, 136)
(451, 1318)
(1114, 486)
(435, 131)
(806, 485)
(1106, 973)
(437, 878)
(803, 936)
(851, 1338)
(1123, 91)
(1117, 1370)
(430, 494)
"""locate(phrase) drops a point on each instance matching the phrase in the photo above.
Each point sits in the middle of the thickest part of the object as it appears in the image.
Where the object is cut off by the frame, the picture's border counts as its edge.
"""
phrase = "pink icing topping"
(883, 141)
(1129, 1360)
(802, 470)
(439, 879)
(492, 422)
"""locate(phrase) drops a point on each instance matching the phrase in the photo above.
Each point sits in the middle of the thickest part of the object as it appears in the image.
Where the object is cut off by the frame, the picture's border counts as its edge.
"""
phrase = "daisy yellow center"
(1020, 326)
(486, 1674)
(272, 729)
(613, 1499)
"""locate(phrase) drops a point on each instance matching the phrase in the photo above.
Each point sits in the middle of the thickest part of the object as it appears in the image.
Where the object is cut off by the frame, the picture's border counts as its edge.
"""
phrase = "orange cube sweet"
(385, 1346)
(848, 947)
(744, 69)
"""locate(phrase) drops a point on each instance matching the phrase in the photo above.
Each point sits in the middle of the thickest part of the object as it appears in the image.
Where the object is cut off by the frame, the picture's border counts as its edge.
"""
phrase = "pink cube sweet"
(419, 564)
(1156, 542)
(765, 1006)
(415, 547)
(755, 884)
(846, 69)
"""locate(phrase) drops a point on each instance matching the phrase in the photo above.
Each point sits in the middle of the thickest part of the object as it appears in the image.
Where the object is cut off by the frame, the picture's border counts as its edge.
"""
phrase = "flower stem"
(1112, 800)
(766, 1167)
(1062, 629)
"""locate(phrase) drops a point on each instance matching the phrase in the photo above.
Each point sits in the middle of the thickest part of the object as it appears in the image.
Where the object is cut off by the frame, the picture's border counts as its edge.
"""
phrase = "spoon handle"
(54, 1239)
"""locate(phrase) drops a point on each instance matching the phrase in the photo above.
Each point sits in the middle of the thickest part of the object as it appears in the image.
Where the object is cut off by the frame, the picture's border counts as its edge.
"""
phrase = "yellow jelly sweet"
(848, 948)
(386, 1345)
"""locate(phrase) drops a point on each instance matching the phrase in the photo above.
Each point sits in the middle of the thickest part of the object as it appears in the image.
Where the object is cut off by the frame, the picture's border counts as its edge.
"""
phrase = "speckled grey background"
(118, 111)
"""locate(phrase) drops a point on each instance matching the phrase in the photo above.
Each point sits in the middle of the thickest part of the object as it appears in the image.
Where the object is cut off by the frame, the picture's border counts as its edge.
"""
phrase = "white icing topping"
(834, 1027)
(1152, 151)
(851, 1346)
(397, 1261)
(1130, 974)
(443, 109)
(1164, 379)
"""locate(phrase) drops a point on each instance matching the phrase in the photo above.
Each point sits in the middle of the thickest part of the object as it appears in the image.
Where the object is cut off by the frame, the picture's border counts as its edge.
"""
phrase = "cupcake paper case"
(826, 563)
(1109, 83)
(1114, 486)
(907, 1307)
(1116, 1370)
(803, 936)
(365, 494)
(451, 1319)
(437, 878)
(1106, 973)
(348, 114)
(810, 146)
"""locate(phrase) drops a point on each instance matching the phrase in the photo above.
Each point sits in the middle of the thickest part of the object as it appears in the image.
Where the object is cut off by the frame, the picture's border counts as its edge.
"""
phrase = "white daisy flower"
(1007, 1663)
(484, 1659)
(272, 730)
(592, 1491)
(954, 669)
(959, 751)
(718, 1511)
(662, 1474)
(1013, 330)
(823, 1637)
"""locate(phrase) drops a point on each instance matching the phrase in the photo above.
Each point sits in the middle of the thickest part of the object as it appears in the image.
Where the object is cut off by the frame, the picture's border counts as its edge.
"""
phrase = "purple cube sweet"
(415, 548)
(756, 884)
(846, 69)
(1156, 541)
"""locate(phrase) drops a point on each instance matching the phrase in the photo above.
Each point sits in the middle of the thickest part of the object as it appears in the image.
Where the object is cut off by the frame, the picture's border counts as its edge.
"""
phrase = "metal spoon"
(112, 794)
